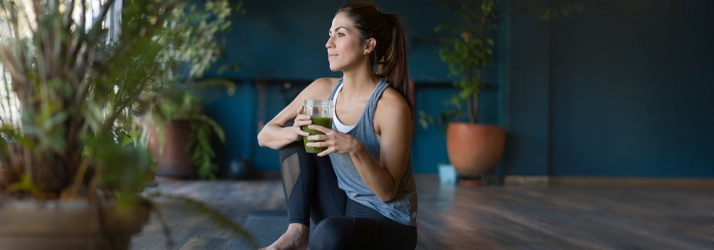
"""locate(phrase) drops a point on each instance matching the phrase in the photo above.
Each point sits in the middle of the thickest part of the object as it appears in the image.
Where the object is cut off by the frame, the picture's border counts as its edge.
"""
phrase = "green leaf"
(216, 218)
(11, 134)
(489, 41)
(26, 185)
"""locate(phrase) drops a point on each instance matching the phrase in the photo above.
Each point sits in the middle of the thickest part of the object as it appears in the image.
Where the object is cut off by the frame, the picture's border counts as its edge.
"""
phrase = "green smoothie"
(322, 121)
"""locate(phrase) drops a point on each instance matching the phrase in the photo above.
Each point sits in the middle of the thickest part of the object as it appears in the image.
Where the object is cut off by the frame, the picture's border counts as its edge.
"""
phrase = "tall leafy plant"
(74, 90)
(70, 98)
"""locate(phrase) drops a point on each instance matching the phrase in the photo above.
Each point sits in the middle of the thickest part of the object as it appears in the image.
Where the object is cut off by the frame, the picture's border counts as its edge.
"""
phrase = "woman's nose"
(329, 43)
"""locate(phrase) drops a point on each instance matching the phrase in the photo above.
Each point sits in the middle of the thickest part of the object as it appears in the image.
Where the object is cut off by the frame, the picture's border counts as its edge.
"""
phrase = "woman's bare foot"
(296, 237)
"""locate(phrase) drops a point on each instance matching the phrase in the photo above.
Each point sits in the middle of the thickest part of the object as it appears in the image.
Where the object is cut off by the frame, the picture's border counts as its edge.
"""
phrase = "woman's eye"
(340, 35)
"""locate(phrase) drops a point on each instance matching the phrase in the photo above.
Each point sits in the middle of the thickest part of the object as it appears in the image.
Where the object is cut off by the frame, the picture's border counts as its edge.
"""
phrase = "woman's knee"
(331, 233)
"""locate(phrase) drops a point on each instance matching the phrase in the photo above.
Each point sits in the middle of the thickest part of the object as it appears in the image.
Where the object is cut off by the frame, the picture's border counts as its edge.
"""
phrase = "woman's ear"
(370, 44)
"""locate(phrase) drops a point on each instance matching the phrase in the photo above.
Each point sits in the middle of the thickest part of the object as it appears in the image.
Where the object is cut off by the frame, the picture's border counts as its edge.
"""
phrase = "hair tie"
(391, 18)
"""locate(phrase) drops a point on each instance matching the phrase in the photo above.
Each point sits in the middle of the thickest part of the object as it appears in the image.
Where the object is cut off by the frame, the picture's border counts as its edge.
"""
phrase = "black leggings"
(311, 192)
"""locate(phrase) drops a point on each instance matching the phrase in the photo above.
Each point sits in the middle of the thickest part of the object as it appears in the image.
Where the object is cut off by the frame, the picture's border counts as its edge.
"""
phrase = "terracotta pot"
(174, 160)
(474, 149)
(31, 224)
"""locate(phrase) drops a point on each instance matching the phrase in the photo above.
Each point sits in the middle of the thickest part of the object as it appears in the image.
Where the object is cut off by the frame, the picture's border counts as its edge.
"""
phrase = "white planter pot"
(30, 225)
(447, 174)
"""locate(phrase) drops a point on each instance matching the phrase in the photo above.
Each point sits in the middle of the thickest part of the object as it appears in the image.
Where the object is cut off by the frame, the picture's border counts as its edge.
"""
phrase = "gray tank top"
(403, 208)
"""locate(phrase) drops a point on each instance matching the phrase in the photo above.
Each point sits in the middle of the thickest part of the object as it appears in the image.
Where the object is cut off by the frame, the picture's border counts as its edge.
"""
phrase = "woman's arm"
(393, 119)
(274, 135)
(394, 122)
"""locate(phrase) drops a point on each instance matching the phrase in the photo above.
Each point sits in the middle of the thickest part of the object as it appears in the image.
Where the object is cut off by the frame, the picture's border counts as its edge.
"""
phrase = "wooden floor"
(478, 217)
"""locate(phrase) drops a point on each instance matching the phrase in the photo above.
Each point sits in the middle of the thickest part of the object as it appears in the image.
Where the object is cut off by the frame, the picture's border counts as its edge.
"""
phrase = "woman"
(363, 196)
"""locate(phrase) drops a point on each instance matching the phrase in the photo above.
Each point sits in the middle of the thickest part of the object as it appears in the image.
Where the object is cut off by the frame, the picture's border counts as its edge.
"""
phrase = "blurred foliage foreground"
(73, 88)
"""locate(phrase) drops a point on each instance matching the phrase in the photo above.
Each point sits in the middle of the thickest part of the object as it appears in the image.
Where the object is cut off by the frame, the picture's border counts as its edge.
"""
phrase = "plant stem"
(478, 93)
(469, 105)
(6, 101)
(479, 70)
(80, 175)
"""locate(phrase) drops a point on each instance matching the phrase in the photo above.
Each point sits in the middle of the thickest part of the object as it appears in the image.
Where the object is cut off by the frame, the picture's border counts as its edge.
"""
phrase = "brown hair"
(390, 54)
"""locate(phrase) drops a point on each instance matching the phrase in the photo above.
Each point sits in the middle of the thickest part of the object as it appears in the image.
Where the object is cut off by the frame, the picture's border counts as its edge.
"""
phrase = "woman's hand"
(300, 120)
(335, 141)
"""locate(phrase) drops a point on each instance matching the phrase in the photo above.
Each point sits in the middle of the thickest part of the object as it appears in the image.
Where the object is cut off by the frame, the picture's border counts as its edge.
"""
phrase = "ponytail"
(390, 55)
(393, 66)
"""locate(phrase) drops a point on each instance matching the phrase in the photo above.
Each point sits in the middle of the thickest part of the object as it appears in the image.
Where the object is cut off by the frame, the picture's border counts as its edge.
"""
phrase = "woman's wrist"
(356, 148)
(289, 134)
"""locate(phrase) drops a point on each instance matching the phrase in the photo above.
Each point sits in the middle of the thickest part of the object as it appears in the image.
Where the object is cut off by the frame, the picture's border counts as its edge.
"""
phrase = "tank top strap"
(371, 105)
(334, 90)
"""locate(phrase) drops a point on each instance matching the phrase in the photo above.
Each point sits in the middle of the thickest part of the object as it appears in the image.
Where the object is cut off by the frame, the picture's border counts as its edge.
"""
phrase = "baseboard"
(541, 180)
(633, 182)
(526, 180)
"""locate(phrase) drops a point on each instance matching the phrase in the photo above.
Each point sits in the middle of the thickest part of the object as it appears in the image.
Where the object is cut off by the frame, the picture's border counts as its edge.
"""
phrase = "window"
(9, 103)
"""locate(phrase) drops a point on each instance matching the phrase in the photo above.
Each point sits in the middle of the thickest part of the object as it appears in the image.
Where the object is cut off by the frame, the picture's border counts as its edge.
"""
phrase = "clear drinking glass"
(321, 112)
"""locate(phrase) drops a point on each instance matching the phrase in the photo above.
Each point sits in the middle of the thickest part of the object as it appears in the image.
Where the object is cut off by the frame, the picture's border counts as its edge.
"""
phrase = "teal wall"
(526, 69)
(620, 90)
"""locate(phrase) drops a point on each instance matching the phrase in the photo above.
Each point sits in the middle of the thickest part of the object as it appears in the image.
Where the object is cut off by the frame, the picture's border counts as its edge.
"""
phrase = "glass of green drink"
(321, 112)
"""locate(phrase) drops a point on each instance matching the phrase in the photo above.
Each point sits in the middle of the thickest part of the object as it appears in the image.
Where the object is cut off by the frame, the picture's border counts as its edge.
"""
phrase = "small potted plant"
(179, 133)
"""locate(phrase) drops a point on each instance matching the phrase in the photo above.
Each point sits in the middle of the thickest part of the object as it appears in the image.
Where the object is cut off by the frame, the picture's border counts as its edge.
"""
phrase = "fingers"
(302, 120)
(300, 132)
(326, 140)
(316, 144)
(326, 152)
(299, 110)
(321, 144)
(318, 138)
(319, 128)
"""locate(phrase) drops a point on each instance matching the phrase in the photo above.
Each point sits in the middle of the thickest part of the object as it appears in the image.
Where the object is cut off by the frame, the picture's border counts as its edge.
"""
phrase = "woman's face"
(344, 48)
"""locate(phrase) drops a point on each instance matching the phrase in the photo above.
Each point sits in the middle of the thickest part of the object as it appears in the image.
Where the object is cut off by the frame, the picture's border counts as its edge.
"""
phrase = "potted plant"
(179, 137)
(474, 148)
(71, 170)
(179, 132)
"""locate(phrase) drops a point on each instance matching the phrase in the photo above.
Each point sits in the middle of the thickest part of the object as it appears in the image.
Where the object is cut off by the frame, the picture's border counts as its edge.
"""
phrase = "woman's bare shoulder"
(325, 82)
(323, 86)
(392, 113)
(394, 100)
(391, 105)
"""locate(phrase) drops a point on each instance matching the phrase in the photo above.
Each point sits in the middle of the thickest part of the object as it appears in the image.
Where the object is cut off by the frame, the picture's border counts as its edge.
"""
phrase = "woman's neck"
(358, 82)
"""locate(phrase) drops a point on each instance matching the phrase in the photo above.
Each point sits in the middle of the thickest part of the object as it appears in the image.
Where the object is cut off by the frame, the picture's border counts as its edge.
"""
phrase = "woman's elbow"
(387, 197)
(261, 139)
(266, 140)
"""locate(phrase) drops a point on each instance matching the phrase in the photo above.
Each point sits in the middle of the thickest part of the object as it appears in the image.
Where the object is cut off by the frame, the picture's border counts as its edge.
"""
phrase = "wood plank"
(207, 243)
